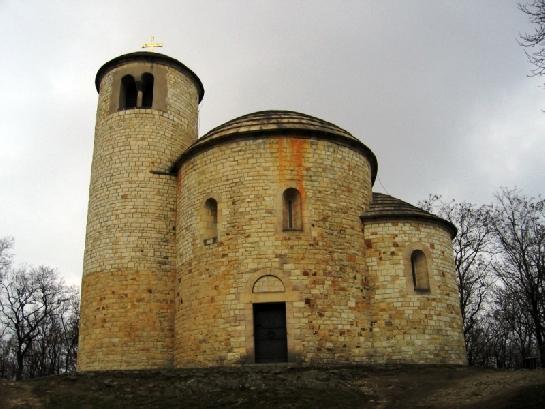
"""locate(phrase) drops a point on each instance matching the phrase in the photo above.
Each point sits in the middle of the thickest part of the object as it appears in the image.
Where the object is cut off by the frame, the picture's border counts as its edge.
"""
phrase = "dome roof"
(384, 206)
(275, 120)
(267, 123)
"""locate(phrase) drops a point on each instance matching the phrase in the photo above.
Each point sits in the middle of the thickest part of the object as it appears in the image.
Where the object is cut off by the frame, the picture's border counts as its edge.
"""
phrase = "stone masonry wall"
(322, 268)
(127, 317)
(407, 325)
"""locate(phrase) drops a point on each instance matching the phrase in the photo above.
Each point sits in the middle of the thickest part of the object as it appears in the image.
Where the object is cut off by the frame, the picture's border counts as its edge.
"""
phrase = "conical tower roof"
(384, 206)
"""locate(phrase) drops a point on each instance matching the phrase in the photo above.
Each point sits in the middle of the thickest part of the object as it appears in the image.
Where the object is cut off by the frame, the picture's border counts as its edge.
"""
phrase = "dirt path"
(18, 395)
(495, 388)
(399, 387)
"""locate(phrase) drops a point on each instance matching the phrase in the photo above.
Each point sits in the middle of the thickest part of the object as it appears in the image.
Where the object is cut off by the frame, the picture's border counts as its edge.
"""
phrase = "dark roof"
(265, 123)
(269, 120)
(151, 58)
(384, 206)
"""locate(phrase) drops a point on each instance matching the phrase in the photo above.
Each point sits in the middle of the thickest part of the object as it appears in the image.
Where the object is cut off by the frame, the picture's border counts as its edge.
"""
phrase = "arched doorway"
(270, 335)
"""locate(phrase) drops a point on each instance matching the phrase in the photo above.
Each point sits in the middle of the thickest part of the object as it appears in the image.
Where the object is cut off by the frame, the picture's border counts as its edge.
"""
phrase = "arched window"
(419, 267)
(128, 94)
(147, 90)
(292, 218)
(210, 221)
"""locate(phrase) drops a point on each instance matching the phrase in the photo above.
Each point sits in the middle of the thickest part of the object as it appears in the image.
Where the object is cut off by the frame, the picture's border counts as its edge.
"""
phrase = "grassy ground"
(264, 387)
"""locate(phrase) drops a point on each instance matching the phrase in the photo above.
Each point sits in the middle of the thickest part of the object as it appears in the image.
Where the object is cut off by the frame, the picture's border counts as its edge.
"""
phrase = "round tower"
(146, 117)
(416, 310)
(270, 245)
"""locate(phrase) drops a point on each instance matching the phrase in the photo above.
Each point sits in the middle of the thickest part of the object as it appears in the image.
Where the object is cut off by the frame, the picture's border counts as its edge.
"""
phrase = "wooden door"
(270, 337)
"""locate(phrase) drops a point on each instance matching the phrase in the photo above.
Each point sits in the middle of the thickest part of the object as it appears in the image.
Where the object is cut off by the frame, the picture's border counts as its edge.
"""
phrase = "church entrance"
(270, 336)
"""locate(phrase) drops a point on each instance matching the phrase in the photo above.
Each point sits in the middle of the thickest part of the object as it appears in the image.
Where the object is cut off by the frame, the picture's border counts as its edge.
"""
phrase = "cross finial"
(152, 44)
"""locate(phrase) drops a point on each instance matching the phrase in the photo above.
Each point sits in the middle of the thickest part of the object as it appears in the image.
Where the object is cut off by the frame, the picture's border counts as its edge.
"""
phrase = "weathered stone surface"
(170, 281)
(127, 316)
(408, 325)
(322, 267)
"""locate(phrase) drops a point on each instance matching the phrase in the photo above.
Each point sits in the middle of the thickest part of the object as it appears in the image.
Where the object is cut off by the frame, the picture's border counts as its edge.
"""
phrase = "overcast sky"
(437, 89)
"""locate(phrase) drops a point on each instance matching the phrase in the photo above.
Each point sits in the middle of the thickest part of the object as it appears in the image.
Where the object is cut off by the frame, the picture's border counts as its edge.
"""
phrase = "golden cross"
(152, 44)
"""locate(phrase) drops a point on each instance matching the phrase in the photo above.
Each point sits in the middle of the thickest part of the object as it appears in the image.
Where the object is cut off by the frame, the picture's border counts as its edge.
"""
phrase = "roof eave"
(451, 228)
(201, 145)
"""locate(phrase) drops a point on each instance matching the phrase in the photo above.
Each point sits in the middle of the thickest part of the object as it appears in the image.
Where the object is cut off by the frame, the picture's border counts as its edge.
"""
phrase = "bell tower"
(146, 117)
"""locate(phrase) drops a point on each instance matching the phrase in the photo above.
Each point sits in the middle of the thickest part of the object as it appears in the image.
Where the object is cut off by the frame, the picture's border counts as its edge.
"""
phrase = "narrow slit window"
(210, 221)
(147, 90)
(128, 93)
(419, 267)
(292, 215)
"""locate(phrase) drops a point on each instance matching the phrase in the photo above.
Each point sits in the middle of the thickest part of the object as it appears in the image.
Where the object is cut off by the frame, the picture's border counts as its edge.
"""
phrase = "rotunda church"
(259, 242)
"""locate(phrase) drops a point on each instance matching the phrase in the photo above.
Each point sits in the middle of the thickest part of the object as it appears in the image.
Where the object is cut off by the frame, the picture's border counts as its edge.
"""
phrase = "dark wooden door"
(270, 340)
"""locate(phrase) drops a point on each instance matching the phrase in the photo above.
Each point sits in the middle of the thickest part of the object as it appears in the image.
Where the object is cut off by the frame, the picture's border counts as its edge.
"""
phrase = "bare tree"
(535, 42)
(521, 324)
(5, 255)
(69, 321)
(39, 320)
(518, 224)
(6, 358)
(28, 297)
(5, 264)
(472, 246)
(501, 336)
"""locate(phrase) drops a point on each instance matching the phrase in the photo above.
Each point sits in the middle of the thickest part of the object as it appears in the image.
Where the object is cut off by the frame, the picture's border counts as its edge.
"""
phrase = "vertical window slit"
(210, 221)
(419, 270)
(290, 214)
(292, 210)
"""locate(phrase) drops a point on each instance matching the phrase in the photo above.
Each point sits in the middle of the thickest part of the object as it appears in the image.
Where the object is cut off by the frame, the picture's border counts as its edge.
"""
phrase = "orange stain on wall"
(280, 150)
(298, 157)
(291, 161)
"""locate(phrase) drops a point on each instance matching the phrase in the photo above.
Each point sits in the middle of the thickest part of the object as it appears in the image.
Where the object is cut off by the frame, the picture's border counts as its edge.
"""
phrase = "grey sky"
(437, 89)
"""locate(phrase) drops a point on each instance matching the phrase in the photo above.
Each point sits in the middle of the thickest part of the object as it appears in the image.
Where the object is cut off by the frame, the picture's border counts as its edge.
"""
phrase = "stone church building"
(259, 242)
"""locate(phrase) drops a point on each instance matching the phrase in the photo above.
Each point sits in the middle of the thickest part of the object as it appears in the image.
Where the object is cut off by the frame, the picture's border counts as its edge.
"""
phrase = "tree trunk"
(19, 370)
(540, 349)
(538, 326)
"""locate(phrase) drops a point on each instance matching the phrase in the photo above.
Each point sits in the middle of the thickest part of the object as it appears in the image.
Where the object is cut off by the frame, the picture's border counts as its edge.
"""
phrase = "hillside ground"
(263, 387)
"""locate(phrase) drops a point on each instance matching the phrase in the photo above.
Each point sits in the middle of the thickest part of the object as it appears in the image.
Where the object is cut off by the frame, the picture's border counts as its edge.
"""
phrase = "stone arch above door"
(268, 284)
